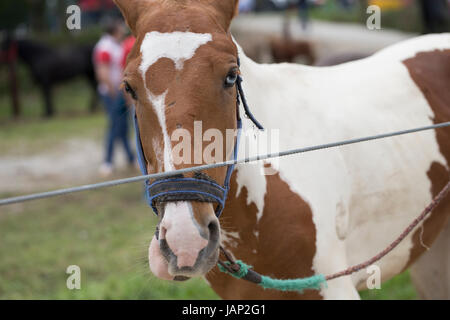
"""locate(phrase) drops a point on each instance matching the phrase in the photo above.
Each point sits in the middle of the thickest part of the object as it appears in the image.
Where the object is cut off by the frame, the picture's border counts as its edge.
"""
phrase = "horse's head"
(183, 69)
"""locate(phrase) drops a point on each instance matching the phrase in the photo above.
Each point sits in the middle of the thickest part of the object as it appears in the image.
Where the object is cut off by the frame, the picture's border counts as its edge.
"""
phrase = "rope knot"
(232, 269)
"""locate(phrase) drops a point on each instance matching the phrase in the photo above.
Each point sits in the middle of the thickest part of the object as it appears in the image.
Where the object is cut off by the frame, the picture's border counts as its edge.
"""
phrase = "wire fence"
(112, 183)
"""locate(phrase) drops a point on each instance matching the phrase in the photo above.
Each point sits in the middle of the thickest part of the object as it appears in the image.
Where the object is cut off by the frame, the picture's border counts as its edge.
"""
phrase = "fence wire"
(112, 183)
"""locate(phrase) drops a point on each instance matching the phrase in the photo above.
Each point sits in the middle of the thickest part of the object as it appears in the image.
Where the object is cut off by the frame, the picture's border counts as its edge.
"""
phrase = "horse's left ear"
(131, 11)
(226, 11)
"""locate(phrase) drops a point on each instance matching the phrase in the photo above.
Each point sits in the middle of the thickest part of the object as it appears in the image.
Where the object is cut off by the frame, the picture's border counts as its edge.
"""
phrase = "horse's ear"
(131, 10)
(226, 11)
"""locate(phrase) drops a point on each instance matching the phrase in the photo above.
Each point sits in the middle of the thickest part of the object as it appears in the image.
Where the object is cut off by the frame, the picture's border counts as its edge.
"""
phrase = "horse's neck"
(266, 85)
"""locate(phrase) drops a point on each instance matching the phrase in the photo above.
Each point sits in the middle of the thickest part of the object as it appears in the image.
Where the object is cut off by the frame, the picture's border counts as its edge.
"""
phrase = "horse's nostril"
(162, 233)
(213, 228)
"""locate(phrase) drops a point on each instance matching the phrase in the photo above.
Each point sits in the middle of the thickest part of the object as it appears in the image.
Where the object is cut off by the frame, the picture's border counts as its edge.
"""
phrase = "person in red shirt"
(108, 61)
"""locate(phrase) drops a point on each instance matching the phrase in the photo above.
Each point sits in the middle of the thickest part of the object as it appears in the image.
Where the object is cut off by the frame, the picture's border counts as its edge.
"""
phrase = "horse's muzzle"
(185, 246)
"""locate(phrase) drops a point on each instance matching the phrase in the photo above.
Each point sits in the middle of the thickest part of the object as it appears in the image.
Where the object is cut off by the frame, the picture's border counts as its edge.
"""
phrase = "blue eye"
(231, 79)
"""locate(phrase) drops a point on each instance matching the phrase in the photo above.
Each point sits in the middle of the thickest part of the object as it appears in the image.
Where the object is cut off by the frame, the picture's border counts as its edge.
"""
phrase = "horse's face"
(182, 70)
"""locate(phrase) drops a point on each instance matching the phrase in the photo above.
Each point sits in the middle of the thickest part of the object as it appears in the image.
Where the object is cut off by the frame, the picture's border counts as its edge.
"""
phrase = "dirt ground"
(72, 162)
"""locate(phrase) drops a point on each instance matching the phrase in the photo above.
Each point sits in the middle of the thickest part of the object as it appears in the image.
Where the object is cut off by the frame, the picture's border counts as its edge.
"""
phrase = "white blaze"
(159, 104)
(179, 47)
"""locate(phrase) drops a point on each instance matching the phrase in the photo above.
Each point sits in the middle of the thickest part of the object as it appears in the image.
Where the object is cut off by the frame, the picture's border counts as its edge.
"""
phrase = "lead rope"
(241, 270)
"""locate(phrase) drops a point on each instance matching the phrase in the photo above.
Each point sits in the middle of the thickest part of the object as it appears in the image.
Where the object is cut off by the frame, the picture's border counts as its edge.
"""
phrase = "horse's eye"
(231, 79)
(130, 90)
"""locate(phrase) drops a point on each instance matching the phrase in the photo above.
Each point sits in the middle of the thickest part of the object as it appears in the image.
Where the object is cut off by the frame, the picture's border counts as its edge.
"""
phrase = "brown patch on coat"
(285, 247)
(431, 73)
(160, 75)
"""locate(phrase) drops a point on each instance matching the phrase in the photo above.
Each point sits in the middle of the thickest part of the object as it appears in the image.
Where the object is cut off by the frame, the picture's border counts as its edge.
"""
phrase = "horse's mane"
(180, 3)
(185, 3)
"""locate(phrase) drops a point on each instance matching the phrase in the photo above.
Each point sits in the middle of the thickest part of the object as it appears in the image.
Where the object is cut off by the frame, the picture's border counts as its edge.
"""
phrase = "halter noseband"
(200, 187)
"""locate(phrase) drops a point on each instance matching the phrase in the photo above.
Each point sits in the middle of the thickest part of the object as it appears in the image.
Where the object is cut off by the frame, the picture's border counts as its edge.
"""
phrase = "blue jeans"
(117, 112)
(303, 7)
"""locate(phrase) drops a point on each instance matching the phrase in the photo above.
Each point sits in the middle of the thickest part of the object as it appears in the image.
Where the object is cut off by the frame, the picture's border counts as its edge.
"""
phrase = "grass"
(398, 288)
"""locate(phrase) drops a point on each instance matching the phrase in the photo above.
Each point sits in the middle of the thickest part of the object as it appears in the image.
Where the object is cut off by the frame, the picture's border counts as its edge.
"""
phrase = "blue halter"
(200, 187)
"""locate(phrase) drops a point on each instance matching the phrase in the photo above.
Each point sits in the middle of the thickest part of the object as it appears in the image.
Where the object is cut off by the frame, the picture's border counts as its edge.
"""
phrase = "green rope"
(314, 282)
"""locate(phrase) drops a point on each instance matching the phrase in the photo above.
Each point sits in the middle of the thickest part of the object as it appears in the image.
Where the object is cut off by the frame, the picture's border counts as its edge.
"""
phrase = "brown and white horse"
(321, 212)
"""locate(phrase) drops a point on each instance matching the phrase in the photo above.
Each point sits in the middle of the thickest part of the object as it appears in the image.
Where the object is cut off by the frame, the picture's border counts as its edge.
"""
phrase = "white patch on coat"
(383, 184)
(255, 183)
(407, 49)
(229, 238)
(159, 104)
(251, 177)
(342, 220)
(159, 154)
(177, 46)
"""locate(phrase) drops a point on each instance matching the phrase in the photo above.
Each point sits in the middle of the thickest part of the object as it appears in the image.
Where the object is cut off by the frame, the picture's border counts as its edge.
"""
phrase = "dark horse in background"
(50, 66)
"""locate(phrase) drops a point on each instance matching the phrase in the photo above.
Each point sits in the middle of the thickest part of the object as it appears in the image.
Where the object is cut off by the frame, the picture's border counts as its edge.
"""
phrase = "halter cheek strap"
(201, 187)
(177, 188)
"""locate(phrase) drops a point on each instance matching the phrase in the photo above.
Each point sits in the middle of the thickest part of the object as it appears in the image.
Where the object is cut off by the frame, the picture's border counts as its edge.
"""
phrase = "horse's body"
(328, 210)
(50, 66)
(322, 211)
(287, 49)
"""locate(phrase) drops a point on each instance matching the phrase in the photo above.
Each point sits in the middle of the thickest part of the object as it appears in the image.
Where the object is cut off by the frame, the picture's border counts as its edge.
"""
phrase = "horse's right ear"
(131, 10)
(226, 10)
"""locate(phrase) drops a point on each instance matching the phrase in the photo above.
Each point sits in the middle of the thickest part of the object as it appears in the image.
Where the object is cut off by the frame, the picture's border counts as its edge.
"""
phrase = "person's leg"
(303, 13)
(440, 15)
(108, 104)
(431, 15)
(123, 127)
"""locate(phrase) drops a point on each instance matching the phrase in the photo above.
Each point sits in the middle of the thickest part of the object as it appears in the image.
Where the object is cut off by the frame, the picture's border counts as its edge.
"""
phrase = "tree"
(13, 13)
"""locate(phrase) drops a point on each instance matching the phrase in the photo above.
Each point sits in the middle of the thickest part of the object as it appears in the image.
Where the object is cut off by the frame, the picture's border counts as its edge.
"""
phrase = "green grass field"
(106, 232)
